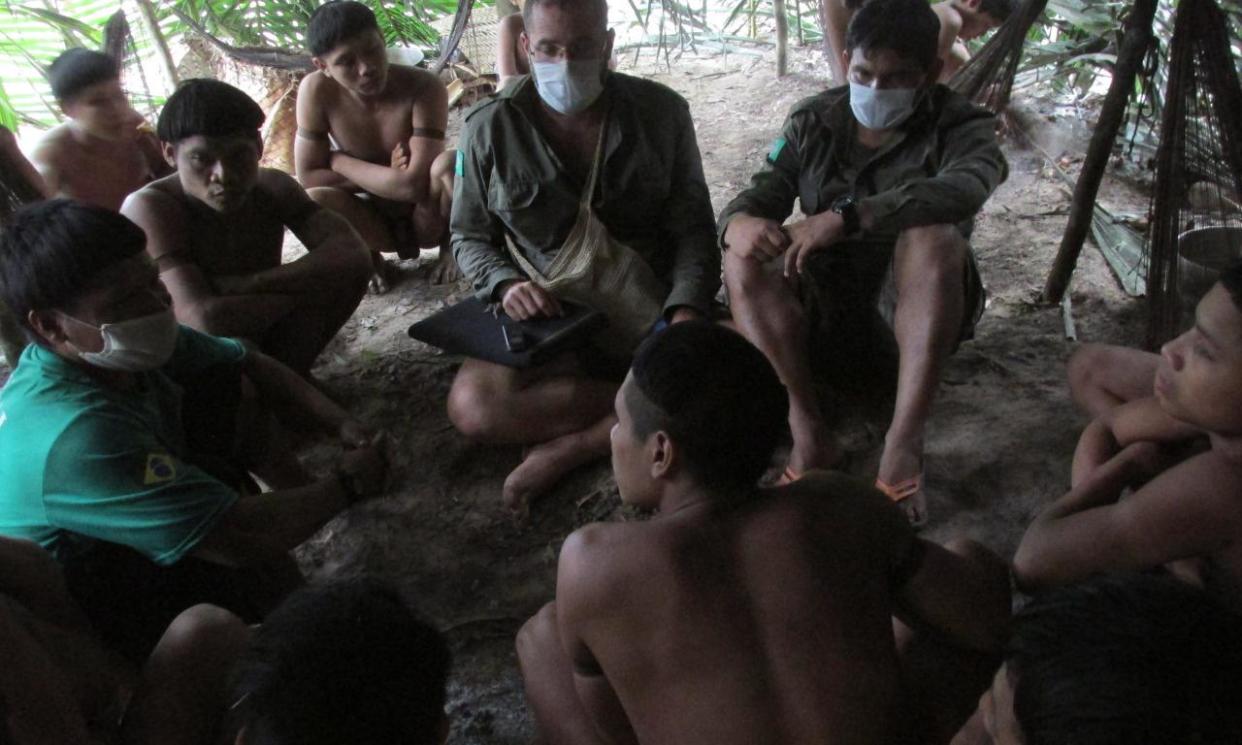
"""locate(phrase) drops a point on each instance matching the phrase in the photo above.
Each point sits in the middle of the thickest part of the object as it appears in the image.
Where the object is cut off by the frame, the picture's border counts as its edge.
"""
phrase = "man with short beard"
(581, 184)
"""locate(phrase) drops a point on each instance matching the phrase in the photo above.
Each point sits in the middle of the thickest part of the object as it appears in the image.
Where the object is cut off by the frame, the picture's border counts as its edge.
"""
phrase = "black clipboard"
(472, 329)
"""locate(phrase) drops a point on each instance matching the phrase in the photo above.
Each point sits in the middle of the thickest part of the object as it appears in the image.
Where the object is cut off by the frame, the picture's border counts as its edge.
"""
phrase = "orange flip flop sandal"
(902, 491)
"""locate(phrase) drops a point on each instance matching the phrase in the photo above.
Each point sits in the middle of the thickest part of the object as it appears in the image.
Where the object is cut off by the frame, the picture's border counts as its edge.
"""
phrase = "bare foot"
(445, 270)
(540, 469)
(379, 283)
(813, 446)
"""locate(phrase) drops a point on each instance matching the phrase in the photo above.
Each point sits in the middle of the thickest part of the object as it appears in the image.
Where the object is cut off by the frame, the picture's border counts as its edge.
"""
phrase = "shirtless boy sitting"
(738, 614)
(370, 141)
(1184, 515)
(100, 155)
(216, 227)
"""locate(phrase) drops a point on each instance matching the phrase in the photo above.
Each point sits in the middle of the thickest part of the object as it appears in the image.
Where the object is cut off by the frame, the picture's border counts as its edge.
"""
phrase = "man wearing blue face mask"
(125, 441)
(584, 185)
(890, 171)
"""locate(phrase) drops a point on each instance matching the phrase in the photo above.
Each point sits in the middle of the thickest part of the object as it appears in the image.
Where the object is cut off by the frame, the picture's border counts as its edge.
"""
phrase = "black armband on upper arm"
(307, 134)
(429, 133)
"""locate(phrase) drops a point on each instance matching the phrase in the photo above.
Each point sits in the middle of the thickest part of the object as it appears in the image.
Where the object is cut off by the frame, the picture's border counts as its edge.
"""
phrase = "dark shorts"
(852, 284)
(399, 219)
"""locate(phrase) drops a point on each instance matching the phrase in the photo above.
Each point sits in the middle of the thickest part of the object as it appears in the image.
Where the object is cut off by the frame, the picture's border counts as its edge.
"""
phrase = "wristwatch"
(847, 208)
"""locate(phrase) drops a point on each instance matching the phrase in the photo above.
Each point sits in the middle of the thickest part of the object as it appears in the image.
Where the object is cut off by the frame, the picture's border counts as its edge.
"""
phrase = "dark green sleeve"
(477, 235)
(774, 188)
(972, 166)
(688, 220)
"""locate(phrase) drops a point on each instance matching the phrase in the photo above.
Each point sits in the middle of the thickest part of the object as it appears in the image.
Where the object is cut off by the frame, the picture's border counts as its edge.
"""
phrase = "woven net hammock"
(987, 79)
(1196, 225)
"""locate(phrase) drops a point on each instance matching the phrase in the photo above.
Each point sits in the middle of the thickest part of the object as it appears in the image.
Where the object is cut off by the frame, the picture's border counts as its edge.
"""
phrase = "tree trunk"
(1134, 47)
(782, 38)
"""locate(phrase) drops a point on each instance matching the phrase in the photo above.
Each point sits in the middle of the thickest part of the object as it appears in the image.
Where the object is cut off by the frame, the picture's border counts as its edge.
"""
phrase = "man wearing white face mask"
(125, 443)
(575, 184)
(891, 171)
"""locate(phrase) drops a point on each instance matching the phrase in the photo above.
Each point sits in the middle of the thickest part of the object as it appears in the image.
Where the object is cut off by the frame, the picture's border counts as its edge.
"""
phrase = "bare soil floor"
(999, 444)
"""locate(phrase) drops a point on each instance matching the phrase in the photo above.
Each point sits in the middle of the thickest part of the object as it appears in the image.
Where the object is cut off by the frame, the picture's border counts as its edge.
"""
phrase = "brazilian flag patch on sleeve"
(161, 468)
(777, 147)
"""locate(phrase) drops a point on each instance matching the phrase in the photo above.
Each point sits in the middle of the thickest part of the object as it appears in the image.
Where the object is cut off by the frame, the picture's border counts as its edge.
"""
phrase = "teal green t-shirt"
(82, 462)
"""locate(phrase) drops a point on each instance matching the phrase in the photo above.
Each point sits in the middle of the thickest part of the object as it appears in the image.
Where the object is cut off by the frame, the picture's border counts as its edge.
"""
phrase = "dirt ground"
(999, 444)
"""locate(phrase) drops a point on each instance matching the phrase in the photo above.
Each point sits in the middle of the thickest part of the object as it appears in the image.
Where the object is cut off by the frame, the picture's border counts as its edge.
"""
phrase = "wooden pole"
(782, 38)
(153, 25)
(798, 20)
(1134, 46)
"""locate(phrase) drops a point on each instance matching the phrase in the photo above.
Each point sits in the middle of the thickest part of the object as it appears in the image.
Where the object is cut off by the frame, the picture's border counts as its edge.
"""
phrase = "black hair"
(907, 27)
(202, 106)
(1231, 280)
(51, 251)
(336, 21)
(76, 69)
(597, 6)
(998, 9)
(1136, 659)
(716, 396)
(346, 661)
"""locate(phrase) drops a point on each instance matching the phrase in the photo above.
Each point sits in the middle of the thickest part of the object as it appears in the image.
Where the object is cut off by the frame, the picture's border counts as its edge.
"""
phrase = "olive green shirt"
(650, 195)
(939, 168)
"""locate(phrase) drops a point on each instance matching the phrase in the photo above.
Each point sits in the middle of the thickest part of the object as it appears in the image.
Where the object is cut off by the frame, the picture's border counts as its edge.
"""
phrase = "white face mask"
(881, 108)
(136, 345)
(568, 86)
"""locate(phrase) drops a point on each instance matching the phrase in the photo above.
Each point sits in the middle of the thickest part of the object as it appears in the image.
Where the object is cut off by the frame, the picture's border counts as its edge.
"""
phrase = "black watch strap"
(847, 208)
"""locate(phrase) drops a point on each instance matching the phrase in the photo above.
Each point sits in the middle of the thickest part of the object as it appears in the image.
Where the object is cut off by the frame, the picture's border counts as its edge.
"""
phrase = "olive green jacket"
(651, 194)
(940, 167)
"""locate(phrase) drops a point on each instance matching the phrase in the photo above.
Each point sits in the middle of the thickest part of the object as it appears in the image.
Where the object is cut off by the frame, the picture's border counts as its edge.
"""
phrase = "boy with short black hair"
(740, 614)
(1135, 658)
(348, 661)
(370, 141)
(101, 154)
(1183, 512)
(125, 443)
(216, 229)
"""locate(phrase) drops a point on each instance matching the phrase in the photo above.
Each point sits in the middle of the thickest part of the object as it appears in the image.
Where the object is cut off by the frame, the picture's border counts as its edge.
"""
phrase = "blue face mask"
(568, 87)
(881, 108)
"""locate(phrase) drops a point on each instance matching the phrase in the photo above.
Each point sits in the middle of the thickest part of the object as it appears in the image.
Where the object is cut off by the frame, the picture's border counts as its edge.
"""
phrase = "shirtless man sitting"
(739, 614)
(100, 155)
(528, 155)
(370, 141)
(962, 21)
(216, 229)
(1183, 512)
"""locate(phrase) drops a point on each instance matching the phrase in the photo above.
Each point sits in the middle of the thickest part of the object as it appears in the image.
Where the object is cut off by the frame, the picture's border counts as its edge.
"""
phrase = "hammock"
(987, 79)
(1196, 228)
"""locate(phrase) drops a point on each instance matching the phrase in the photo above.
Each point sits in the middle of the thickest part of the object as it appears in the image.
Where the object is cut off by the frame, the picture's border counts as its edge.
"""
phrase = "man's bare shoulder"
(413, 81)
(317, 87)
(163, 196)
(55, 145)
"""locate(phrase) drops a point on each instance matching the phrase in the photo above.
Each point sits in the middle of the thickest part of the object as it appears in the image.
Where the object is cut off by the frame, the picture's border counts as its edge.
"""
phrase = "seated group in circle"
(171, 352)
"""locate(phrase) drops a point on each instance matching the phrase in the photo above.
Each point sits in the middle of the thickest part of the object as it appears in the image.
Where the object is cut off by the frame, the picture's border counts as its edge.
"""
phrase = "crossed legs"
(566, 415)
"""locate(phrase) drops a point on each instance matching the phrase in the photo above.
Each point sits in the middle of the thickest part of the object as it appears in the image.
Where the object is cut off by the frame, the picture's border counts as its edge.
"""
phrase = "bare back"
(768, 622)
